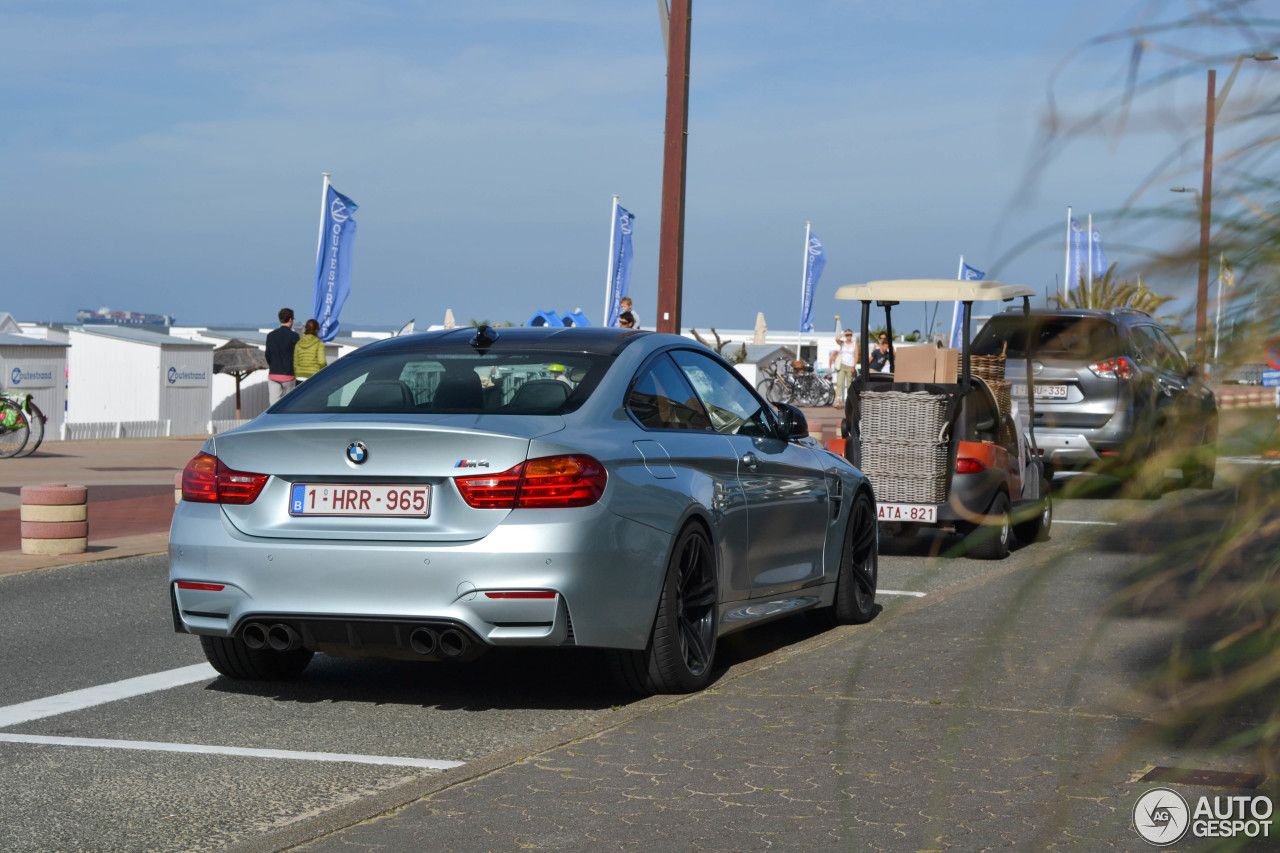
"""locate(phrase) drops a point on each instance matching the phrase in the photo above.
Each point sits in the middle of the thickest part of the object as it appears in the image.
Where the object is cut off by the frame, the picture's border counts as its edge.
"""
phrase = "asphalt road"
(209, 763)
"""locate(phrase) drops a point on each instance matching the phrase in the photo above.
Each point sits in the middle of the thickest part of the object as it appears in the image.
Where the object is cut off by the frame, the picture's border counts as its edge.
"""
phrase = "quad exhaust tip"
(453, 642)
(282, 638)
(424, 641)
(254, 635)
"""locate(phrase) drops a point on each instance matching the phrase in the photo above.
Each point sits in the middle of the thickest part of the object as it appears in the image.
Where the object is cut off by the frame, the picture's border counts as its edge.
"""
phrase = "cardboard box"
(913, 364)
(946, 368)
(926, 364)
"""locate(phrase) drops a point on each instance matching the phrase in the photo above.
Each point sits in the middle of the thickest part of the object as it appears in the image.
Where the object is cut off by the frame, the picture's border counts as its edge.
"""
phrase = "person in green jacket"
(308, 355)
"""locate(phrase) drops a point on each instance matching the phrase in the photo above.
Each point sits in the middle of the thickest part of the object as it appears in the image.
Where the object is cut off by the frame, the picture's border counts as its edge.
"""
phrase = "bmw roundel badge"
(357, 452)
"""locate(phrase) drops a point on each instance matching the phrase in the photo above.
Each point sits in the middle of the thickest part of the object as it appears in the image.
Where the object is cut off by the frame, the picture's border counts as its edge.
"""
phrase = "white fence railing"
(223, 426)
(74, 431)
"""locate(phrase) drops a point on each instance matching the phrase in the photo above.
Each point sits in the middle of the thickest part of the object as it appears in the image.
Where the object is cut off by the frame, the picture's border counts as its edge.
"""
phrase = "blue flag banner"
(1099, 264)
(967, 273)
(815, 260)
(333, 261)
(620, 268)
(1077, 255)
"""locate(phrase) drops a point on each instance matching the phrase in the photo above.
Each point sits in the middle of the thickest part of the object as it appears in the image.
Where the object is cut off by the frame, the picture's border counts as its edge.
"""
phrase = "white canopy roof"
(932, 290)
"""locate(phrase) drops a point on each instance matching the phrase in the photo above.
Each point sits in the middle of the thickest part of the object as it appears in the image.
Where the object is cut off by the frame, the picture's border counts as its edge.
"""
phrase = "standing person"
(624, 307)
(846, 358)
(880, 356)
(280, 344)
(308, 355)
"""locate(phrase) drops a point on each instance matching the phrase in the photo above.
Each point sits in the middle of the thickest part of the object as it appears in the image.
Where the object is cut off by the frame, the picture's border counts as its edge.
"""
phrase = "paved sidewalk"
(999, 712)
(131, 484)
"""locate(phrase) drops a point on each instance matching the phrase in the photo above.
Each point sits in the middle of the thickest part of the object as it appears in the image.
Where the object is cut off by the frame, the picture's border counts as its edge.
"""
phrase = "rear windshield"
(452, 381)
(1087, 338)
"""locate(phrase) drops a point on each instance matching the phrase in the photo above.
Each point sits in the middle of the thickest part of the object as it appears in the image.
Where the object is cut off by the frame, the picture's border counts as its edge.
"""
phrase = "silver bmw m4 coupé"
(432, 496)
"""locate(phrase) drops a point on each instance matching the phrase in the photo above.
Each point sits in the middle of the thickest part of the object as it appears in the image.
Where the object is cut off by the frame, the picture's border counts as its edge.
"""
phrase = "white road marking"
(203, 749)
(1104, 523)
(899, 592)
(78, 700)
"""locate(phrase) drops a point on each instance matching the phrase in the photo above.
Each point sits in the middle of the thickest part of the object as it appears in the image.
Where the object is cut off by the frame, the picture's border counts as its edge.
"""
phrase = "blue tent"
(577, 318)
(546, 318)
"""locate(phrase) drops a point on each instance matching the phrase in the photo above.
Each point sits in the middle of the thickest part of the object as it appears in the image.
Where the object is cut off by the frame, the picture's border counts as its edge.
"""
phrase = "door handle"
(750, 460)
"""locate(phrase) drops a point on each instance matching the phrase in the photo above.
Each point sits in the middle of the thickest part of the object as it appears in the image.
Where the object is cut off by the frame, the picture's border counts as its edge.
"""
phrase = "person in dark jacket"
(280, 344)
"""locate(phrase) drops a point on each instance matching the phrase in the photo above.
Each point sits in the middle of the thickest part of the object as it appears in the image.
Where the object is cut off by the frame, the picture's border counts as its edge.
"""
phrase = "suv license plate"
(371, 499)
(924, 513)
(1043, 392)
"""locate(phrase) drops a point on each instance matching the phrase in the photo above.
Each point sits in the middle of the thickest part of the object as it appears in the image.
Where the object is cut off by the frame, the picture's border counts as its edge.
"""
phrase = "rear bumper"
(605, 571)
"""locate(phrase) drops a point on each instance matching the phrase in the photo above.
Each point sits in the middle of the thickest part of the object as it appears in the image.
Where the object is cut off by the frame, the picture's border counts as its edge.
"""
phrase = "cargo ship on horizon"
(105, 316)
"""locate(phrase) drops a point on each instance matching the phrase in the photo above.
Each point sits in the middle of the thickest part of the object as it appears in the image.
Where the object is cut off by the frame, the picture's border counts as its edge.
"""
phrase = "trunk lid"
(410, 451)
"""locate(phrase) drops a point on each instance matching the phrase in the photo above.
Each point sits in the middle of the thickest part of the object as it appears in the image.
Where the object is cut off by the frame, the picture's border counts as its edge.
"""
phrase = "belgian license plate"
(370, 499)
(1043, 392)
(923, 513)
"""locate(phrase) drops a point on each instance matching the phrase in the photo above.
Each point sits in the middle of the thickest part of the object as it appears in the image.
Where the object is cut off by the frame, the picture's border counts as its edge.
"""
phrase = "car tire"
(855, 597)
(232, 658)
(990, 539)
(1036, 529)
(682, 645)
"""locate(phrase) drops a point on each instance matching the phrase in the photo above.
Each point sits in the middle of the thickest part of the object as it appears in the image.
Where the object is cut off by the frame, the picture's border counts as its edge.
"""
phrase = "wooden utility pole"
(671, 237)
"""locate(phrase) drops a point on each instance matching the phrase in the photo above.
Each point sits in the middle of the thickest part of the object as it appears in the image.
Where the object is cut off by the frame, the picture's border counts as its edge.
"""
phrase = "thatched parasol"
(238, 358)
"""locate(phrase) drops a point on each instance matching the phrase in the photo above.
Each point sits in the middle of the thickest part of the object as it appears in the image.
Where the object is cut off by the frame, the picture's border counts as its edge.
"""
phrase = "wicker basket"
(1003, 398)
(909, 490)
(988, 367)
(900, 416)
(907, 472)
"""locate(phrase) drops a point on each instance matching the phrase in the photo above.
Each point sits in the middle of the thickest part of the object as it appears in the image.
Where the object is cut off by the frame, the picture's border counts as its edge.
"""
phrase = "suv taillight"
(1115, 368)
(549, 482)
(207, 480)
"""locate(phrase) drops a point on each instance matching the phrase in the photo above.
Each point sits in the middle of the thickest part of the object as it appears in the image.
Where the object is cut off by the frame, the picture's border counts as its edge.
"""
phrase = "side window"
(730, 404)
(662, 399)
(1173, 357)
(1155, 350)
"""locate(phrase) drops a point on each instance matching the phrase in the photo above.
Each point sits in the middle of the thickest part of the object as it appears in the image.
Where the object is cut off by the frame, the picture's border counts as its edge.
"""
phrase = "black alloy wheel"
(682, 646)
(855, 597)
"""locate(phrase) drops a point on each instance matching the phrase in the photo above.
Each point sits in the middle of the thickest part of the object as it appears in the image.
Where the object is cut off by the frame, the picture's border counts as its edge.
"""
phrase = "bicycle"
(796, 383)
(14, 429)
(776, 386)
(812, 388)
(28, 417)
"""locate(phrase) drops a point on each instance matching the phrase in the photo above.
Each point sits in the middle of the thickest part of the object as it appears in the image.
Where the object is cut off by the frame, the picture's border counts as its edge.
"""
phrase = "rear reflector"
(521, 594)
(207, 587)
(546, 483)
(964, 465)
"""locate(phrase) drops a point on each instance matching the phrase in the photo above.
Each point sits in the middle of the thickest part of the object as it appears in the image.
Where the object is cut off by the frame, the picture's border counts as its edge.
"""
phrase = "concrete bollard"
(54, 519)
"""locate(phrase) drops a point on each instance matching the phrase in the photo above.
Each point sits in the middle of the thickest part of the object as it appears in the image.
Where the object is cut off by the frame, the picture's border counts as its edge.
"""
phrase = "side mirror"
(794, 424)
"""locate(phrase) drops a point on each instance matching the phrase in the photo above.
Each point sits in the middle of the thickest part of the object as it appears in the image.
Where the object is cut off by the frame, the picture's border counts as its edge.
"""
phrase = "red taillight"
(207, 480)
(1115, 368)
(492, 491)
(207, 587)
(549, 482)
(964, 465)
(558, 481)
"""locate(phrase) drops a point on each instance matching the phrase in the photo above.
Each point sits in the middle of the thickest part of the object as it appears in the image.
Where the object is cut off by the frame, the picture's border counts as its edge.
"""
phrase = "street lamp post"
(1213, 105)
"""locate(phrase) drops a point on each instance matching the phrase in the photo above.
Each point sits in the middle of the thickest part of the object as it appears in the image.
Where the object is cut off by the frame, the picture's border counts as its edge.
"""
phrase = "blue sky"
(167, 157)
